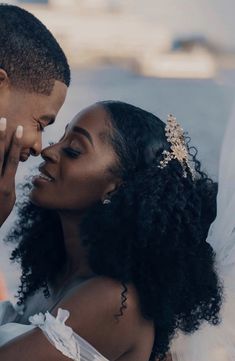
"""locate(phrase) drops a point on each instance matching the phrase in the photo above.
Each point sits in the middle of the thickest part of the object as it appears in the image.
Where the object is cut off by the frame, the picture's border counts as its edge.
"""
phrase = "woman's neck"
(75, 252)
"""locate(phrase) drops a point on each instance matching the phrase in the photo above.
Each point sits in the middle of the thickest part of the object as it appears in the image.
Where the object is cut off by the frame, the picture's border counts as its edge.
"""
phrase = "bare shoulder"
(92, 308)
(107, 295)
(107, 315)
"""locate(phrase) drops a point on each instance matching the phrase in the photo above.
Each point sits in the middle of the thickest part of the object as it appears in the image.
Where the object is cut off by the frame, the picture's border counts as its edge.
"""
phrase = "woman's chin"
(38, 200)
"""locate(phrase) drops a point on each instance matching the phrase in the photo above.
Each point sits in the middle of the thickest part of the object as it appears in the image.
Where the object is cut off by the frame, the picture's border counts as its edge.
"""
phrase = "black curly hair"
(152, 234)
(29, 53)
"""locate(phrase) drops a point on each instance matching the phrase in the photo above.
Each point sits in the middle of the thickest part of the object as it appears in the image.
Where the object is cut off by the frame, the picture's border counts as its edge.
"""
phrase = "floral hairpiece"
(179, 151)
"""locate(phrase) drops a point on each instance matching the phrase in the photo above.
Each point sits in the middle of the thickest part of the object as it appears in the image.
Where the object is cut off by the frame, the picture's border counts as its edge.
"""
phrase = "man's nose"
(36, 149)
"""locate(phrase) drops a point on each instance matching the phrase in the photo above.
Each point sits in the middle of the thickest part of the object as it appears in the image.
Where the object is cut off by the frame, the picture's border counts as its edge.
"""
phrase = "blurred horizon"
(157, 38)
(213, 18)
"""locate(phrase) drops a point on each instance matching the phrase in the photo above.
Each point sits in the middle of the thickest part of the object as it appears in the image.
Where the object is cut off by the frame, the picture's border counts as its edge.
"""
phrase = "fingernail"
(3, 124)
(19, 132)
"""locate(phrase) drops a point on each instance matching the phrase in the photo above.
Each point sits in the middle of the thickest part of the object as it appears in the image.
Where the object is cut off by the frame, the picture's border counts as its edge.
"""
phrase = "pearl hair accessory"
(179, 151)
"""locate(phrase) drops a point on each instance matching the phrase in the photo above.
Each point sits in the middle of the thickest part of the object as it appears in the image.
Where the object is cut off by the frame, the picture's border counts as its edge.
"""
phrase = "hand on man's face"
(8, 167)
(32, 113)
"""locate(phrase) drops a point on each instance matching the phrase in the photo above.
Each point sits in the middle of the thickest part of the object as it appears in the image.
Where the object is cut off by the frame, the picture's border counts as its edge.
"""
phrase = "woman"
(115, 238)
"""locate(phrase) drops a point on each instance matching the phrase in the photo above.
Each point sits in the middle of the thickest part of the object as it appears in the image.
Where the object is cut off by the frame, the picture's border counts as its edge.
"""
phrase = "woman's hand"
(9, 162)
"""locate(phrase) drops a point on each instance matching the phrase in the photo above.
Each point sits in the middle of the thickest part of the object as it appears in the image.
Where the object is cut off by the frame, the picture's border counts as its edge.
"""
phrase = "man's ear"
(4, 79)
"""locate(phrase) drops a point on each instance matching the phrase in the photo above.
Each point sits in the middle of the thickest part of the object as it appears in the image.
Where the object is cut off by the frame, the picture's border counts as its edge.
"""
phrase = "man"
(34, 77)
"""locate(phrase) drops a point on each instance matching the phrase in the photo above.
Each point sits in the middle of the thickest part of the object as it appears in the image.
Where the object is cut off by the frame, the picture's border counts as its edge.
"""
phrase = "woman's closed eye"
(71, 152)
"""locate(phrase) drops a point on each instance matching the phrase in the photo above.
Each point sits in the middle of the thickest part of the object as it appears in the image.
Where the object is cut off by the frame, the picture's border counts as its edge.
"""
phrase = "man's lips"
(24, 157)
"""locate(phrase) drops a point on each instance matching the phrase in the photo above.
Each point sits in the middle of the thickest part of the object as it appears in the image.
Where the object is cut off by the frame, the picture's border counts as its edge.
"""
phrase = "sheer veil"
(210, 342)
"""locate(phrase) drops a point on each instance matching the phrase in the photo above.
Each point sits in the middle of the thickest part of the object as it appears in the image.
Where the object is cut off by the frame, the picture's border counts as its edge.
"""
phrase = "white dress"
(54, 328)
(217, 343)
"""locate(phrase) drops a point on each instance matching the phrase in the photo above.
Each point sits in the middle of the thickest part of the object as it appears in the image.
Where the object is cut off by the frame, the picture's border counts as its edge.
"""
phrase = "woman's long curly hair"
(152, 234)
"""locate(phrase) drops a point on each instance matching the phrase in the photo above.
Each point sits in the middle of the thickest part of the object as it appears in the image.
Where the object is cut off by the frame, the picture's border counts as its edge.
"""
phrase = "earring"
(106, 201)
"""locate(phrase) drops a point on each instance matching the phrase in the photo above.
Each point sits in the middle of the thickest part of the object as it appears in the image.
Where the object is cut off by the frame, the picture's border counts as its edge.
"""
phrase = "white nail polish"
(19, 132)
(3, 124)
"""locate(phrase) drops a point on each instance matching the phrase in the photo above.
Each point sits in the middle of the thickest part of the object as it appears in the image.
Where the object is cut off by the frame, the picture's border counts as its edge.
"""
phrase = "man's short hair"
(29, 53)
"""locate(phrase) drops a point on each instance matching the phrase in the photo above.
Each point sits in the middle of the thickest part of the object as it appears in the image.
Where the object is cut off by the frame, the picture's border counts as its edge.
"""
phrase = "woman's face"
(74, 172)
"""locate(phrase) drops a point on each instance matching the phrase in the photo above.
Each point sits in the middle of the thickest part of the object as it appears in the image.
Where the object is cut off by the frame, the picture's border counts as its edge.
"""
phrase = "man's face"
(34, 112)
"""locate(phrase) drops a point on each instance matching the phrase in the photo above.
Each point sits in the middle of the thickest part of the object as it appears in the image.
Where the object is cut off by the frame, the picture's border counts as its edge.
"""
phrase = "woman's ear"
(111, 189)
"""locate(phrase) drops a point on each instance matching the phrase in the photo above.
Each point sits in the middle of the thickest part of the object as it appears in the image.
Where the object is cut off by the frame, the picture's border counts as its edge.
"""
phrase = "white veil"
(217, 343)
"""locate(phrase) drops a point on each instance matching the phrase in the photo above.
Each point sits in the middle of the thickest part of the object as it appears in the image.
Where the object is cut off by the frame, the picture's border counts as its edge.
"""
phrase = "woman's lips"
(44, 172)
(41, 179)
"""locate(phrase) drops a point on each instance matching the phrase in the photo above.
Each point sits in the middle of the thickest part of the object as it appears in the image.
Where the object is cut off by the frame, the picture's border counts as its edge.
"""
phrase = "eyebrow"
(83, 132)
(48, 118)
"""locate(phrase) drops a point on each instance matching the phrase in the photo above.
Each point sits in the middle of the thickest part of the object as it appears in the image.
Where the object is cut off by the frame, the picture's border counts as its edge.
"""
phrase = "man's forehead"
(59, 91)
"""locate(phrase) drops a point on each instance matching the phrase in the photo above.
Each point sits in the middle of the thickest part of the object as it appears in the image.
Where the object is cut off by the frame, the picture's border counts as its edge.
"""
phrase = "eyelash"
(72, 153)
(40, 127)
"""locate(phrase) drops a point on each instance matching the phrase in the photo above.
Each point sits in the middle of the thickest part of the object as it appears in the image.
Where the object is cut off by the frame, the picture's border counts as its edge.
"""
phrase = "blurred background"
(167, 56)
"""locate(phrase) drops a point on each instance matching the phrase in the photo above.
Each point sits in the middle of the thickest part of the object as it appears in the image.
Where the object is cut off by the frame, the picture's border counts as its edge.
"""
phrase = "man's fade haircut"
(29, 53)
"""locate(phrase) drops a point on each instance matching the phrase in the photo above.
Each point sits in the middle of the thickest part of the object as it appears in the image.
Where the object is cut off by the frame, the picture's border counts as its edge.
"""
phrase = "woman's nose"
(50, 154)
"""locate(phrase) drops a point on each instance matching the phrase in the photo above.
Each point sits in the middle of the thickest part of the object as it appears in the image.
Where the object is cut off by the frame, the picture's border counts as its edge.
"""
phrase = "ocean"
(201, 106)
